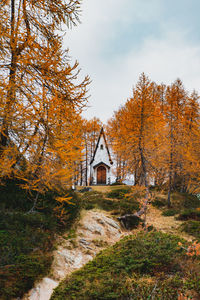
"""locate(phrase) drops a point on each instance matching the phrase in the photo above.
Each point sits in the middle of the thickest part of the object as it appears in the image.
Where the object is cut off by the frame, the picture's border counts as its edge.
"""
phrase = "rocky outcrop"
(95, 231)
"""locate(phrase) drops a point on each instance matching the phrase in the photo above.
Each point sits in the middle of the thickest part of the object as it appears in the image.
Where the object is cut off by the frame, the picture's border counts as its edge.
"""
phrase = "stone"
(83, 241)
(94, 228)
(86, 189)
(112, 223)
(43, 291)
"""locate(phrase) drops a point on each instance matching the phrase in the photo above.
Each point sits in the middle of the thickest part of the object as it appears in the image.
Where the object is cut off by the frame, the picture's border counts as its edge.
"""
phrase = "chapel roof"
(101, 134)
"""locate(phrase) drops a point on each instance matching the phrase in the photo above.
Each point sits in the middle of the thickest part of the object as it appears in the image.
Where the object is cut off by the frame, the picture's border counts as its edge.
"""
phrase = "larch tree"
(117, 140)
(157, 133)
(176, 98)
(191, 148)
(27, 30)
(41, 98)
(135, 130)
(90, 133)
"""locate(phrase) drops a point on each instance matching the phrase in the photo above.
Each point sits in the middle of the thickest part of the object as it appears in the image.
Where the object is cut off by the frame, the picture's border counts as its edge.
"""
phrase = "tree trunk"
(126, 219)
(11, 88)
(170, 165)
(141, 150)
(81, 179)
(86, 164)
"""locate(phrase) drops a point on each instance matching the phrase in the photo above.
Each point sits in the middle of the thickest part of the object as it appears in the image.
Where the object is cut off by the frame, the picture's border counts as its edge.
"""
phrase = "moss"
(25, 245)
(26, 240)
(100, 243)
(19, 277)
(138, 267)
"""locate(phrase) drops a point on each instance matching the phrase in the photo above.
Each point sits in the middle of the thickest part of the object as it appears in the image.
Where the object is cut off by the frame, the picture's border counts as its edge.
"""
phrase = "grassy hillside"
(27, 239)
(185, 207)
(117, 200)
(144, 266)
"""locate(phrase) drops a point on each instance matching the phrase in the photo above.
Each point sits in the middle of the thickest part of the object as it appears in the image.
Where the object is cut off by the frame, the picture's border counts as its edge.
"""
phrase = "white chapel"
(101, 163)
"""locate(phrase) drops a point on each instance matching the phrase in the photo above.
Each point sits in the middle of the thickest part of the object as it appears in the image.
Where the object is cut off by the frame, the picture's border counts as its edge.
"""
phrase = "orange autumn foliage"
(155, 136)
(193, 249)
(136, 130)
(90, 133)
(40, 96)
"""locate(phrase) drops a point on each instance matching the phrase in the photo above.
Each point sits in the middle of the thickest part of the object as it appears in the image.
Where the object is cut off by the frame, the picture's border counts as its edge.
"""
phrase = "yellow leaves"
(181, 296)
(7, 160)
(161, 124)
(60, 210)
(64, 199)
(193, 250)
(43, 120)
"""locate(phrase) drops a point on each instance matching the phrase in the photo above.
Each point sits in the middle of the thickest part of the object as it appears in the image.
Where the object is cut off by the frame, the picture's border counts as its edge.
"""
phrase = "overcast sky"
(117, 40)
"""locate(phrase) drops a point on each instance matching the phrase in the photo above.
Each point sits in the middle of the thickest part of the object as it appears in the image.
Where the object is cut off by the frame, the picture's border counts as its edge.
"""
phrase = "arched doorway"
(101, 175)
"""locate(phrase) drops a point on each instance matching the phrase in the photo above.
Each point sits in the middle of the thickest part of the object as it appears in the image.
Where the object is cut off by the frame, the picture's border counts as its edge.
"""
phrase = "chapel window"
(101, 147)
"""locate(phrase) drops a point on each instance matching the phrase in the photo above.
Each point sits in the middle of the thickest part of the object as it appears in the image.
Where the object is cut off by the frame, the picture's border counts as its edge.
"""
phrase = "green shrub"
(134, 268)
(191, 201)
(91, 200)
(125, 205)
(192, 227)
(184, 200)
(19, 277)
(12, 196)
(170, 212)
(190, 214)
(119, 193)
(26, 239)
(159, 203)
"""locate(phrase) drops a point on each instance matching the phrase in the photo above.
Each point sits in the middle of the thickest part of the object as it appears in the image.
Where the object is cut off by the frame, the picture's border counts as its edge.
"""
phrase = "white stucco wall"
(101, 156)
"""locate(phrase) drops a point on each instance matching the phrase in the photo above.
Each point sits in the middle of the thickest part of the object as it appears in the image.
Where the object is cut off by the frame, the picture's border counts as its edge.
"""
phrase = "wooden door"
(101, 175)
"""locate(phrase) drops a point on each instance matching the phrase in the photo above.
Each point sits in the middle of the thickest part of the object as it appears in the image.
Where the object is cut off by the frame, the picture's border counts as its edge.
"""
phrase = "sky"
(117, 40)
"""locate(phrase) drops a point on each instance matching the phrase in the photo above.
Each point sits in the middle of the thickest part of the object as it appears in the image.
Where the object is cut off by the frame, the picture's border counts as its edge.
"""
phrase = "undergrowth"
(26, 239)
(170, 212)
(189, 214)
(146, 266)
(118, 202)
(178, 200)
(192, 227)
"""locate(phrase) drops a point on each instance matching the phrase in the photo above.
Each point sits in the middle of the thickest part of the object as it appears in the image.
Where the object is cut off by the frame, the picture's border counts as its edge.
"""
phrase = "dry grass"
(102, 188)
(165, 224)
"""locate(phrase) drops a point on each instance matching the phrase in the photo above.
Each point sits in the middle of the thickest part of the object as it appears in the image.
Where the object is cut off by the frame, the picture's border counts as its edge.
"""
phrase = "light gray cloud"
(162, 57)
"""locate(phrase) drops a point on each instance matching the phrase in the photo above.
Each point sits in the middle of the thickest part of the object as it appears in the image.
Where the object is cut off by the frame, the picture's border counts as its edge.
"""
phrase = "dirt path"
(165, 224)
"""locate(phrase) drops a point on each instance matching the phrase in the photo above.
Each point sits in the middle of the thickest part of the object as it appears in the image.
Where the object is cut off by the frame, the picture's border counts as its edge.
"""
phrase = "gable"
(101, 152)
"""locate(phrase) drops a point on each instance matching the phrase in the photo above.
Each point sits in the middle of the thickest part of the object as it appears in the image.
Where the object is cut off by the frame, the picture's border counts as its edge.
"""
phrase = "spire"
(101, 134)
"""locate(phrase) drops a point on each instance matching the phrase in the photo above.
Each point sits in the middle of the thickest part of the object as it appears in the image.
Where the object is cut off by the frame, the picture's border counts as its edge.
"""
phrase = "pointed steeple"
(101, 134)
